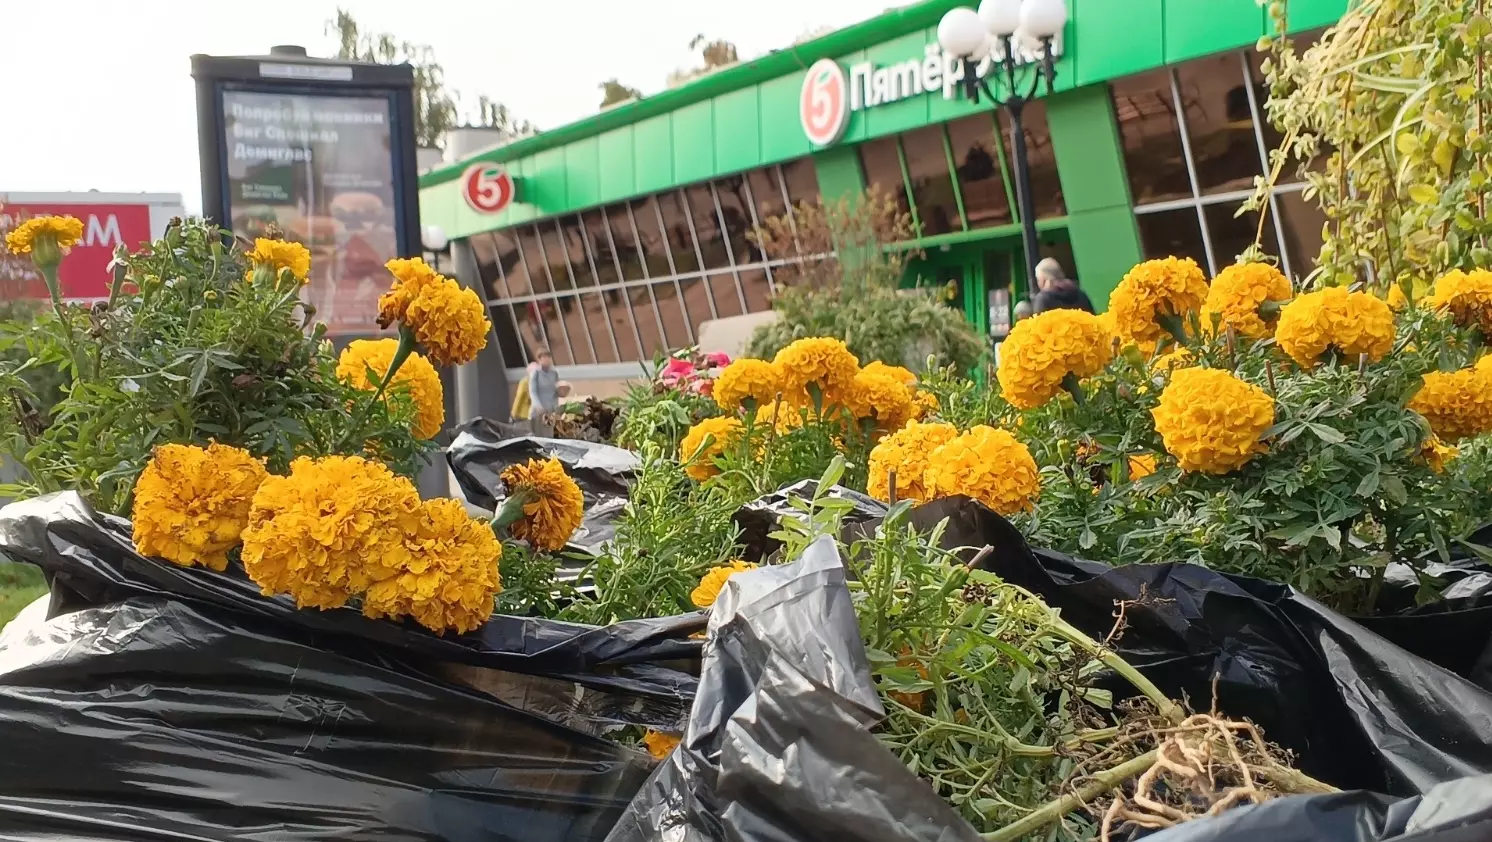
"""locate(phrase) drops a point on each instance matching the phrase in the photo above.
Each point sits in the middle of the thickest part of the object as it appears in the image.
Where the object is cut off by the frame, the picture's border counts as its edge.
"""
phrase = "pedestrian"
(1056, 290)
(543, 390)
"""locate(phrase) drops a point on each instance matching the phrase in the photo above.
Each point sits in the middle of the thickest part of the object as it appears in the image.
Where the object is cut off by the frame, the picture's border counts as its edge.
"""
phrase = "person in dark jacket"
(1057, 291)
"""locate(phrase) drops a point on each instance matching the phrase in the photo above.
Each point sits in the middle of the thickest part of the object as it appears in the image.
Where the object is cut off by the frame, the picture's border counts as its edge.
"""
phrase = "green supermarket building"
(618, 236)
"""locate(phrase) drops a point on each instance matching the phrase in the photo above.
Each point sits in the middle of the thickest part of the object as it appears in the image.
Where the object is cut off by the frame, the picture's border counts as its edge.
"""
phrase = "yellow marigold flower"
(1043, 350)
(1467, 297)
(273, 256)
(659, 744)
(905, 452)
(1141, 465)
(708, 591)
(781, 417)
(411, 276)
(1458, 404)
(1154, 291)
(881, 397)
(1236, 296)
(823, 363)
(449, 322)
(1435, 453)
(1178, 357)
(924, 403)
(192, 503)
(1211, 421)
(1396, 299)
(704, 442)
(327, 531)
(1351, 322)
(552, 503)
(416, 376)
(745, 380)
(900, 374)
(45, 238)
(449, 578)
(987, 464)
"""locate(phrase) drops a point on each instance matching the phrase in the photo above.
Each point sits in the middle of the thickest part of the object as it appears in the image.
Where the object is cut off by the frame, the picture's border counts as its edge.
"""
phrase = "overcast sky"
(98, 93)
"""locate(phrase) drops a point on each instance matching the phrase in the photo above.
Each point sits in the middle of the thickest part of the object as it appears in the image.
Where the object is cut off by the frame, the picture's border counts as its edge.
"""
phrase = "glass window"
(932, 187)
(511, 280)
(650, 237)
(1231, 234)
(881, 167)
(706, 226)
(607, 330)
(727, 296)
(575, 329)
(1219, 123)
(678, 329)
(758, 290)
(801, 180)
(646, 313)
(766, 191)
(676, 226)
(572, 237)
(730, 194)
(1301, 221)
(510, 342)
(528, 278)
(484, 251)
(1172, 233)
(558, 245)
(696, 298)
(623, 241)
(601, 257)
(1046, 187)
(981, 179)
(540, 326)
(1153, 157)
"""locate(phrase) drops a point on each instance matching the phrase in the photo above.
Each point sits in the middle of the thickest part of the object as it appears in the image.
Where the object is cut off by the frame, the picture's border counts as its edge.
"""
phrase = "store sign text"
(829, 96)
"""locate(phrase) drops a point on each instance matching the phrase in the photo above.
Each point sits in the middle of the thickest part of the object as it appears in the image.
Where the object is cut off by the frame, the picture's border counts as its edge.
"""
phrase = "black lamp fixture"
(1016, 37)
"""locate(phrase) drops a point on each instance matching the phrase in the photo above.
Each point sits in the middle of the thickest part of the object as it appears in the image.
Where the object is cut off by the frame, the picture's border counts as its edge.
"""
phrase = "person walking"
(1056, 290)
(543, 391)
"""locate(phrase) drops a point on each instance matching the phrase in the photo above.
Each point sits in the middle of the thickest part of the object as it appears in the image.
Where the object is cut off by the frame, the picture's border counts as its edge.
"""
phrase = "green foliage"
(188, 351)
(20, 585)
(1386, 117)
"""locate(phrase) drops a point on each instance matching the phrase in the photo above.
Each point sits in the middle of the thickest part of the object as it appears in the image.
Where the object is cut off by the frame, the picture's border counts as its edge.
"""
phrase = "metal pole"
(1023, 196)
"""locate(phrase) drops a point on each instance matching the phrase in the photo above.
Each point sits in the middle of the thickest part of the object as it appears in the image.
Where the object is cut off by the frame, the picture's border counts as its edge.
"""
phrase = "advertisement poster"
(84, 274)
(321, 168)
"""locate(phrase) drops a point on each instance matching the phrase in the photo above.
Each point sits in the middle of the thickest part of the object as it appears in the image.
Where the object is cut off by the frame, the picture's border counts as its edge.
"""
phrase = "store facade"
(614, 238)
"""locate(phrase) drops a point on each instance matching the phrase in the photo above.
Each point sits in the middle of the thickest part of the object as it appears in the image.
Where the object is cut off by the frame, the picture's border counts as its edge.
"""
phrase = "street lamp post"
(998, 30)
(435, 241)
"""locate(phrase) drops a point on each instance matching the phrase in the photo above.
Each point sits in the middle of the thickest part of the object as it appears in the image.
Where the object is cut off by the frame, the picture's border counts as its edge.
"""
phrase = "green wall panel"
(1090, 163)
(1310, 14)
(838, 171)
(1199, 27)
(693, 143)
(780, 131)
(653, 153)
(545, 175)
(910, 112)
(583, 172)
(1099, 55)
(738, 144)
(618, 176)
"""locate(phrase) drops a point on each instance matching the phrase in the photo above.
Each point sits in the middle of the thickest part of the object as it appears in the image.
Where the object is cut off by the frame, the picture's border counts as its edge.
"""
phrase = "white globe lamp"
(1000, 17)
(961, 33)
(434, 238)
(1042, 18)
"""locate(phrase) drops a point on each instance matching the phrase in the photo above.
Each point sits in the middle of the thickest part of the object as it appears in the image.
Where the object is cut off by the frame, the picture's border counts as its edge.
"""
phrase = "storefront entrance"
(984, 280)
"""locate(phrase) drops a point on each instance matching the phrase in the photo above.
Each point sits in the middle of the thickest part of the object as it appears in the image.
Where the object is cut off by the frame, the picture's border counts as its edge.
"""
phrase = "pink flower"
(675, 372)
(717, 359)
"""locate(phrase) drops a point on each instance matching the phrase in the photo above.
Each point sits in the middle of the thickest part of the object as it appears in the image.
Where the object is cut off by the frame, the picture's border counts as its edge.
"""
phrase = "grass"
(20, 585)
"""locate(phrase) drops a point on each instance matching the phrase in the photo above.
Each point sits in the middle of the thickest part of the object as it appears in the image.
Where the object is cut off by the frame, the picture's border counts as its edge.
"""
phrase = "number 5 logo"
(823, 106)
(487, 188)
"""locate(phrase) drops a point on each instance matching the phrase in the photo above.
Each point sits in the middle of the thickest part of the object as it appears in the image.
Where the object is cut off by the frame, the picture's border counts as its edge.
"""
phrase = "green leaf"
(1327, 434)
(1424, 194)
(1368, 485)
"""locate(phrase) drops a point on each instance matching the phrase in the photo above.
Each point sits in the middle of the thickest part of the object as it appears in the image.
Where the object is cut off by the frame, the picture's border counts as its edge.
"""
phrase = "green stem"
(1169, 709)
(406, 347)
(511, 510)
(1099, 784)
(1071, 385)
(54, 291)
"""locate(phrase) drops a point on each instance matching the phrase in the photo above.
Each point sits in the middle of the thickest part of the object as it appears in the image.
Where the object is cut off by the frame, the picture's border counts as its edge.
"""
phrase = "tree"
(435, 107)
(715, 55)
(613, 92)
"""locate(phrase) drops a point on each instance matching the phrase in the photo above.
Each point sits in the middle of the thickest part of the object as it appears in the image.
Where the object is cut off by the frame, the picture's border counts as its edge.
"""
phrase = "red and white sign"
(824, 105)
(487, 188)
(85, 270)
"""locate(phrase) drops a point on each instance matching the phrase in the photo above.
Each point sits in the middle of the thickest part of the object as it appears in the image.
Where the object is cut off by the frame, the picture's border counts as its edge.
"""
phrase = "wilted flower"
(544, 505)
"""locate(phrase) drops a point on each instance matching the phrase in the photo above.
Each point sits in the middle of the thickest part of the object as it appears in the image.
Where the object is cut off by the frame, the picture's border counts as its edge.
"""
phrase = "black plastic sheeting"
(177, 703)
(482, 449)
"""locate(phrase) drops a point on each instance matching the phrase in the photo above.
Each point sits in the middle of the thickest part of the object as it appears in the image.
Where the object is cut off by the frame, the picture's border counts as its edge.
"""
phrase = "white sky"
(98, 93)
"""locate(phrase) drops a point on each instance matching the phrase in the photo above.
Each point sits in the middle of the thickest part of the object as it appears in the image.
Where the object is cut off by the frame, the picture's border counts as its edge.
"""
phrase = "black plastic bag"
(177, 703)
(1358, 711)
(1456, 811)
(758, 519)
(481, 451)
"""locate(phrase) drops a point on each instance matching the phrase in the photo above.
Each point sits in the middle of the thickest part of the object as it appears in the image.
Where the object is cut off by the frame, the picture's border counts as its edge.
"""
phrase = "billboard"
(108, 222)
(324, 151)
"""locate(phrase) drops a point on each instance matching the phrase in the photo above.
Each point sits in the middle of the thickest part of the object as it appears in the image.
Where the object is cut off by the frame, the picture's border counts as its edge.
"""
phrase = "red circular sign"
(487, 188)
(824, 105)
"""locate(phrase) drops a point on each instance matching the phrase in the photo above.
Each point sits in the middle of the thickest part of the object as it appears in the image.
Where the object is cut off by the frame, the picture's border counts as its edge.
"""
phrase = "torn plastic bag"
(778, 748)
(1456, 811)
(154, 719)
(480, 452)
(761, 517)
(1357, 711)
(599, 677)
